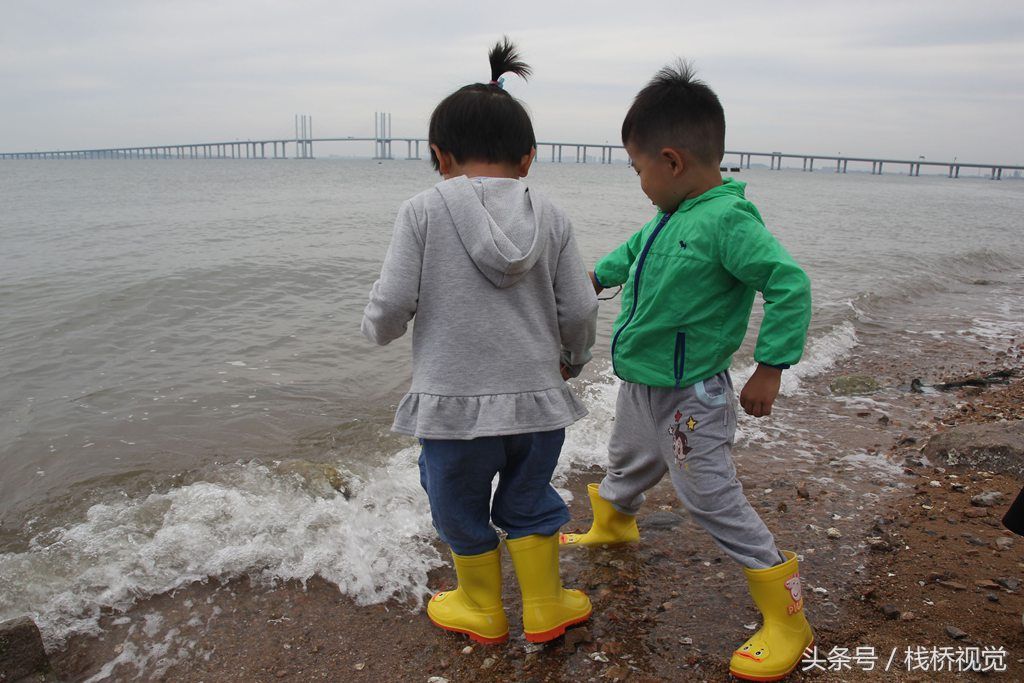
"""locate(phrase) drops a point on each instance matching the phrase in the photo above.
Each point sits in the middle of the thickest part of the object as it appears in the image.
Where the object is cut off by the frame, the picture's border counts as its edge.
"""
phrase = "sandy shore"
(923, 569)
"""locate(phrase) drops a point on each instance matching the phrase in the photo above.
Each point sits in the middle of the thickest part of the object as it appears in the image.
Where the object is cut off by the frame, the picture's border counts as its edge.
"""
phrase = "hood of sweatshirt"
(497, 222)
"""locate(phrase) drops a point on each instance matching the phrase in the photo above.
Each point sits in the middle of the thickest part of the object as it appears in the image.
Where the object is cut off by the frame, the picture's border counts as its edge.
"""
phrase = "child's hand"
(760, 391)
(593, 280)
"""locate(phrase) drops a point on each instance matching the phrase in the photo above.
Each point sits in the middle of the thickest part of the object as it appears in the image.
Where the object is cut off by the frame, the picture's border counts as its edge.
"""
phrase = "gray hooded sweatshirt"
(492, 273)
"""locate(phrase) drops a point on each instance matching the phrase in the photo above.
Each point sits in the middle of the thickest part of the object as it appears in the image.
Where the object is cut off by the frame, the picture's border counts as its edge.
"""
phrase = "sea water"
(181, 358)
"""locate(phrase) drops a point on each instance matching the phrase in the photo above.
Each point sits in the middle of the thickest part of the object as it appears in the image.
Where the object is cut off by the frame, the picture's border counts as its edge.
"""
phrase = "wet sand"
(891, 570)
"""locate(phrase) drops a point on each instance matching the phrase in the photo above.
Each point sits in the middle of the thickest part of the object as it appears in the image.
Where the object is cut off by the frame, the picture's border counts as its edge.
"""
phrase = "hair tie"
(500, 82)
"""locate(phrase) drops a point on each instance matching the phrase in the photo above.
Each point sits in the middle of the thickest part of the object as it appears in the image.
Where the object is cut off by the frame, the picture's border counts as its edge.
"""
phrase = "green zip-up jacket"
(689, 279)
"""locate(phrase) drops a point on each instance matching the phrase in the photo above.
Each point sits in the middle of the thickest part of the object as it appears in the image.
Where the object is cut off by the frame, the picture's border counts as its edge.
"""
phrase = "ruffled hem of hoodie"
(428, 416)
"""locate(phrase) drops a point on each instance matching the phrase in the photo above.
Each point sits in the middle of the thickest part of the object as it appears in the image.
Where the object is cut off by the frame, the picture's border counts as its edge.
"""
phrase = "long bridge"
(569, 152)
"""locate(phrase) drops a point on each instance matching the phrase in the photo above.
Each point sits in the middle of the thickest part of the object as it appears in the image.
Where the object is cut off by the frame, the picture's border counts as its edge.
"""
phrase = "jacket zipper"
(679, 360)
(636, 284)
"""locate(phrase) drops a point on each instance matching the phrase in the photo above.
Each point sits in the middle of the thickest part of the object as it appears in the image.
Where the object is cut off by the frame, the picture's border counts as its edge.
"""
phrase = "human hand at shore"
(760, 391)
(593, 280)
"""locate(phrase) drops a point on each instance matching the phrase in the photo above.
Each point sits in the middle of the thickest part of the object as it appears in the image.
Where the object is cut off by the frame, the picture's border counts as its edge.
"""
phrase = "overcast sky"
(897, 79)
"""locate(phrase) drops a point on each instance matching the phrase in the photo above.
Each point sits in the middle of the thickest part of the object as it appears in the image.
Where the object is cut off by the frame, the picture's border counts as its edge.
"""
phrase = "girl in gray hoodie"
(505, 312)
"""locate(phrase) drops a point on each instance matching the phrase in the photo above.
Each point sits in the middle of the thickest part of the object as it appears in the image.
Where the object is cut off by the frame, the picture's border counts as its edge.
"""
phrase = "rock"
(884, 420)
(955, 633)
(890, 611)
(661, 520)
(975, 513)
(986, 584)
(1008, 583)
(995, 446)
(952, 584)
(437, 679)
(21, 650)
(468, 650)
(574, 637)
(853, 385)
(987, 499)
(782, 507)
(360, 666)
(935, 484)
(908, 616)
(957, 486)
(833, 532)
(991, 597)
(488, 663)
(1003, 543)
(616, 673)
(974, 540)
(319, 477)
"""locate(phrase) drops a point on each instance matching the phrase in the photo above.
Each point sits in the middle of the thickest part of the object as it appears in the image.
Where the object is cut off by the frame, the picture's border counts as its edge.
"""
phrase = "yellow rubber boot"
(474, 608)
(775, 650)
(548, 609)
(610, 526)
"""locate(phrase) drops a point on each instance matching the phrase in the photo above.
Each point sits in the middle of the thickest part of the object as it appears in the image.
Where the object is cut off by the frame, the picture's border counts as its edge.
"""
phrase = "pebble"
(820, 591)
(975, 513)
(952, 584)
(955, 633)
(360, 666)
(437, 679)
(488, 663)
(890, 611)
(833, 532)
(935, 484)
(1008, 583)
(598, 656)
(751, 626)
(987, 499)
(992, 597)
(908, 616)
(467, 650)
(1004, 543)
(531, 648)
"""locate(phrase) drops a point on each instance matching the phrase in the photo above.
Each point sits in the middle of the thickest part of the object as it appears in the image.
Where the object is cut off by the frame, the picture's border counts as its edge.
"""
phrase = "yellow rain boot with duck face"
(610, 526)
(474, 608)
(775, 650)
(548, 609)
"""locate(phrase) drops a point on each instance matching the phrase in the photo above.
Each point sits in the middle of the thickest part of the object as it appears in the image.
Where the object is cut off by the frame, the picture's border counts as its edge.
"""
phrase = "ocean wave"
(375, 546)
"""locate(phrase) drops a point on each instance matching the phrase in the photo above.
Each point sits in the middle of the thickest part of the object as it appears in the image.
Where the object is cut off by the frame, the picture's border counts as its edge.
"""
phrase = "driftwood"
(998, 377)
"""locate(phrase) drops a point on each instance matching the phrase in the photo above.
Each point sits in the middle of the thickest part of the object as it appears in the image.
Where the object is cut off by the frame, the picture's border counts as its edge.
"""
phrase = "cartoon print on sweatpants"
(679, 444)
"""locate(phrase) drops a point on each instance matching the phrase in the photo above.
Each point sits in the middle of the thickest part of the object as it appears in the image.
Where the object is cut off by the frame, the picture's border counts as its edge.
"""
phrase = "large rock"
(21, 650)
(996, 447)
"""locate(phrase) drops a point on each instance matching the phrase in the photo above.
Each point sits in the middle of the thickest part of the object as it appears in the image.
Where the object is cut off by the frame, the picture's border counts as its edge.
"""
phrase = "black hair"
(482, 122)
(676, 109)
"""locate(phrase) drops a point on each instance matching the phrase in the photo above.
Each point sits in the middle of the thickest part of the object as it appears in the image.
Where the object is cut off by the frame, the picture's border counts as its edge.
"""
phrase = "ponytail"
(504, 58)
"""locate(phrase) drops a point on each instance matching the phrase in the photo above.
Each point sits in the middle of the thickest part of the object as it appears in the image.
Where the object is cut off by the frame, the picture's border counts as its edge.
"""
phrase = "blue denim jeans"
(457, 477)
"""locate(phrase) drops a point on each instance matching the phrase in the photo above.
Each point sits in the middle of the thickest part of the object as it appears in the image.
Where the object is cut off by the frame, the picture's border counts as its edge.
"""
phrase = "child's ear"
(526, 162)
(444, 160)
(676, 160)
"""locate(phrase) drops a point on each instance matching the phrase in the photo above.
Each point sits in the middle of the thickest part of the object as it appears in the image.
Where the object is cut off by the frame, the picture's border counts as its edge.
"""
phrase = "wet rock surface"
(21, 650)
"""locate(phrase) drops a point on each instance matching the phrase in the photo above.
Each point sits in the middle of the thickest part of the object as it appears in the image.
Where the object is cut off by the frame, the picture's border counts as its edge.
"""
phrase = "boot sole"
(476, 637)
(774, 677)
(551, 634)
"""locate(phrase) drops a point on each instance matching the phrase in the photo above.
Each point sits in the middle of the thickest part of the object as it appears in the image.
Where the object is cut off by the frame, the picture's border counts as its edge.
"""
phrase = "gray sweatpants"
(689, 433)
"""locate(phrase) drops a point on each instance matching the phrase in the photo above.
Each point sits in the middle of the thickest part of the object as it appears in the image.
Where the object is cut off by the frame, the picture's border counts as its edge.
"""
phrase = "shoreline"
(671, 608)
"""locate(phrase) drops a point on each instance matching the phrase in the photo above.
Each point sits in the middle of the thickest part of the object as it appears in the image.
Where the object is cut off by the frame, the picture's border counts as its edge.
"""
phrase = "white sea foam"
(821, 354)
(375, 546)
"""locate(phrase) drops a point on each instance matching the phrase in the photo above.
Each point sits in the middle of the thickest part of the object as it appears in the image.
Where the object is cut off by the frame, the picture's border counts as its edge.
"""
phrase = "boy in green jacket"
(689, 278)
